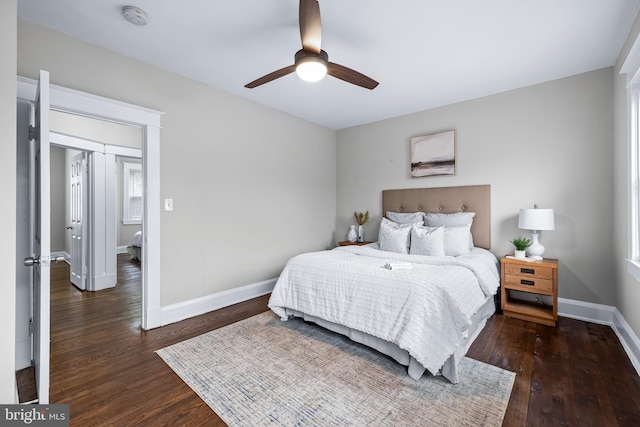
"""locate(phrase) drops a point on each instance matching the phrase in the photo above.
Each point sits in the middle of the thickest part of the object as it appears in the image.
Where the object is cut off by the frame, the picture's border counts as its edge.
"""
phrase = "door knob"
(30, 261)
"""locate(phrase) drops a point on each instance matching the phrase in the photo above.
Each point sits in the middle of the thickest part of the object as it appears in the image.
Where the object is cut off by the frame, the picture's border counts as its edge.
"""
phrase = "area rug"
(265, 372)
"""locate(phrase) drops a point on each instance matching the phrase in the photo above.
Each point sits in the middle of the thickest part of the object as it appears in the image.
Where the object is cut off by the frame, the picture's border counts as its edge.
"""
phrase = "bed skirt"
(414, 368)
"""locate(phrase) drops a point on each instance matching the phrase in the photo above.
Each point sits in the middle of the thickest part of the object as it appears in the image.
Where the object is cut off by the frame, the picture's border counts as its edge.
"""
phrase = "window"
(631, 68)
(132, 193)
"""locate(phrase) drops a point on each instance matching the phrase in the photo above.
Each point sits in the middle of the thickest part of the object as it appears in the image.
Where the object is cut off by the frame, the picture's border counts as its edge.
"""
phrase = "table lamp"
(536, 220)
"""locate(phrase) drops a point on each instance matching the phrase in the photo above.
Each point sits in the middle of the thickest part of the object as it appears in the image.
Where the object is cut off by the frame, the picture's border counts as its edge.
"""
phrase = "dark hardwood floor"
(104, 366)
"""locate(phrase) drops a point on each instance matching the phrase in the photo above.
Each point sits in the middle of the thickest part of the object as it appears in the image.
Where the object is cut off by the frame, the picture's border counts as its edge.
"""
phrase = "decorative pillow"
(456, 240)
(450, 220)
(406, 218)
(427, 240)
(394, 237)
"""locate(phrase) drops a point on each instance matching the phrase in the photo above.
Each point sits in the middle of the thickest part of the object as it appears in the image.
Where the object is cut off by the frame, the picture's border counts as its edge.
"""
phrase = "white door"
(78, 173)
(41, 258)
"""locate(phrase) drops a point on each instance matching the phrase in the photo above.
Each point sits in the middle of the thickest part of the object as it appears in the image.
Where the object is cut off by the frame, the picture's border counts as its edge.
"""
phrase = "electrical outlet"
(168, 205)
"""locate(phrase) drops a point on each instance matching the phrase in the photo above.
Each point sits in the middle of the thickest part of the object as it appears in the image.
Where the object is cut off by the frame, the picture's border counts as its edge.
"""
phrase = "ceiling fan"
(312, 63)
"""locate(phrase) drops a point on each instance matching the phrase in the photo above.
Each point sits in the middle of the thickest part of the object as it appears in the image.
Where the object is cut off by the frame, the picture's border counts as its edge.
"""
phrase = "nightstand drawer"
(529, 271)
(528, 284)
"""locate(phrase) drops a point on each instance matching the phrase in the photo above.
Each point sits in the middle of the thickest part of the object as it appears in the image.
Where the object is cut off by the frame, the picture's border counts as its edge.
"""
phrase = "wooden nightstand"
(348, 243)
(537, 278)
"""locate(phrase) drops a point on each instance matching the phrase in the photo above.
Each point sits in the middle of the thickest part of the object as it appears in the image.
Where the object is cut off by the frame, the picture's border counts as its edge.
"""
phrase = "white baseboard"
(104, 281)
(587, 311)
(64, 254)
(604, 315)
(195, 307)
(628, 338)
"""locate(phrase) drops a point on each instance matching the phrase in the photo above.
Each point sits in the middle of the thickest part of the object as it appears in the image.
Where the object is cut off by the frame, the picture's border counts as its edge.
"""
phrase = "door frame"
(88, 105)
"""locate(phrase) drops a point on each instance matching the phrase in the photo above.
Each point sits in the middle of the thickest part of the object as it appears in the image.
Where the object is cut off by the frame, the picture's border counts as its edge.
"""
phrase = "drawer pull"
(527, 271)
(527, 282)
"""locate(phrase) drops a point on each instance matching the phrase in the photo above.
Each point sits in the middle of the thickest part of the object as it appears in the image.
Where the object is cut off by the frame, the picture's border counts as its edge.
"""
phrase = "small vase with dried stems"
(361, 219)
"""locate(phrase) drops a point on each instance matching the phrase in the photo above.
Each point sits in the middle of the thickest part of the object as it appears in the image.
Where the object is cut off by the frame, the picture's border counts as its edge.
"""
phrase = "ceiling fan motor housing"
(303, 56)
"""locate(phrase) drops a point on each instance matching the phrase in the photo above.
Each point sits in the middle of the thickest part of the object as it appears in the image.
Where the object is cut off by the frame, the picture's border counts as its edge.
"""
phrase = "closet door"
(78, 226)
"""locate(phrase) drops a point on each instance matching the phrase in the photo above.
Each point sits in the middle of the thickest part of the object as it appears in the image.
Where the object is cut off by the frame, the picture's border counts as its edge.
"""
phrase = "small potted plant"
(521, 244)
(361, 219)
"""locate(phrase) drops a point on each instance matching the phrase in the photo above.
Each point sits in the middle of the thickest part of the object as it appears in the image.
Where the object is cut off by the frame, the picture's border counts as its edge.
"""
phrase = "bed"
(135, 246)
(423, 307)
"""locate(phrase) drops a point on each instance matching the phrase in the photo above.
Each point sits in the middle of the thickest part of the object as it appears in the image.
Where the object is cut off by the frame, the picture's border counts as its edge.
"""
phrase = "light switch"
(168, 205)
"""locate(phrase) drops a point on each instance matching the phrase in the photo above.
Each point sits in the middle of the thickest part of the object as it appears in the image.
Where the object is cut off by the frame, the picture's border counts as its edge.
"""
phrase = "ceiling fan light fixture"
(311, 67)
(311, 71)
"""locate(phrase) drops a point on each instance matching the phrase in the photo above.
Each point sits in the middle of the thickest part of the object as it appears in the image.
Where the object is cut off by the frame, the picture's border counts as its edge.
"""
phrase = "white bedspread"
(425, 310)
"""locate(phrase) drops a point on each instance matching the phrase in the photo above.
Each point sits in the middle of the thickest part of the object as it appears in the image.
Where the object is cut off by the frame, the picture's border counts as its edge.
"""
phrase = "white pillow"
(406, 218)
(394, 237)
(448, 220)
(456, 240)
(451, 220)
(427, 240)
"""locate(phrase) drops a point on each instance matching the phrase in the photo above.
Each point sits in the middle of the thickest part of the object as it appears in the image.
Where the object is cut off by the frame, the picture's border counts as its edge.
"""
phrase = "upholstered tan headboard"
(470, 198)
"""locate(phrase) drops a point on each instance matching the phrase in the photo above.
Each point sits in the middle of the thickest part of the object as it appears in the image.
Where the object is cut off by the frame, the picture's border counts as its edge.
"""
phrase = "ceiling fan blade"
(310, 27)
(271, 76)
(350, 76)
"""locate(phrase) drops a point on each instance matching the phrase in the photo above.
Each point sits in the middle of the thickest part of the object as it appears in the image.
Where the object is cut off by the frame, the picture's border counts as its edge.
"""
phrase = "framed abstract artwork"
(433, 154)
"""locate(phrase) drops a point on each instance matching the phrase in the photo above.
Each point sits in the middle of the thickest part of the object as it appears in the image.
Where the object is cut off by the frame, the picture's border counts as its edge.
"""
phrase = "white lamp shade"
(536, 219)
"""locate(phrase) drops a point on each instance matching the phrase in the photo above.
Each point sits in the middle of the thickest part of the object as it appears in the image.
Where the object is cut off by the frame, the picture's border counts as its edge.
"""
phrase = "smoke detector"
(135, 15)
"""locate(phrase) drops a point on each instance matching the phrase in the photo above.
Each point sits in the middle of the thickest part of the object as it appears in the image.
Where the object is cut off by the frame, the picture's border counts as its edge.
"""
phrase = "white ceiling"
(424, 53)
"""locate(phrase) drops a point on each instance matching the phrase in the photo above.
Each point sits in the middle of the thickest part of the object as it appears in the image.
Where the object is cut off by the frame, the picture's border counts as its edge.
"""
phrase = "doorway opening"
(96, 217)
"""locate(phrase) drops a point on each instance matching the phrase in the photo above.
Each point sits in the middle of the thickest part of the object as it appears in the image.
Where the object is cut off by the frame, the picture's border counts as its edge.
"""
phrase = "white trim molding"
(195, 307)
(58, 256)
(628, 338)
(90, 105)
(604, 315)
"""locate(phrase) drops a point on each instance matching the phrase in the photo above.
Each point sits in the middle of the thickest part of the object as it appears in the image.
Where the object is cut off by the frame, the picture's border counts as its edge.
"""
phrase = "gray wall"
(8, 13)
(627, 288)
(550, 144)
(251, 186)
